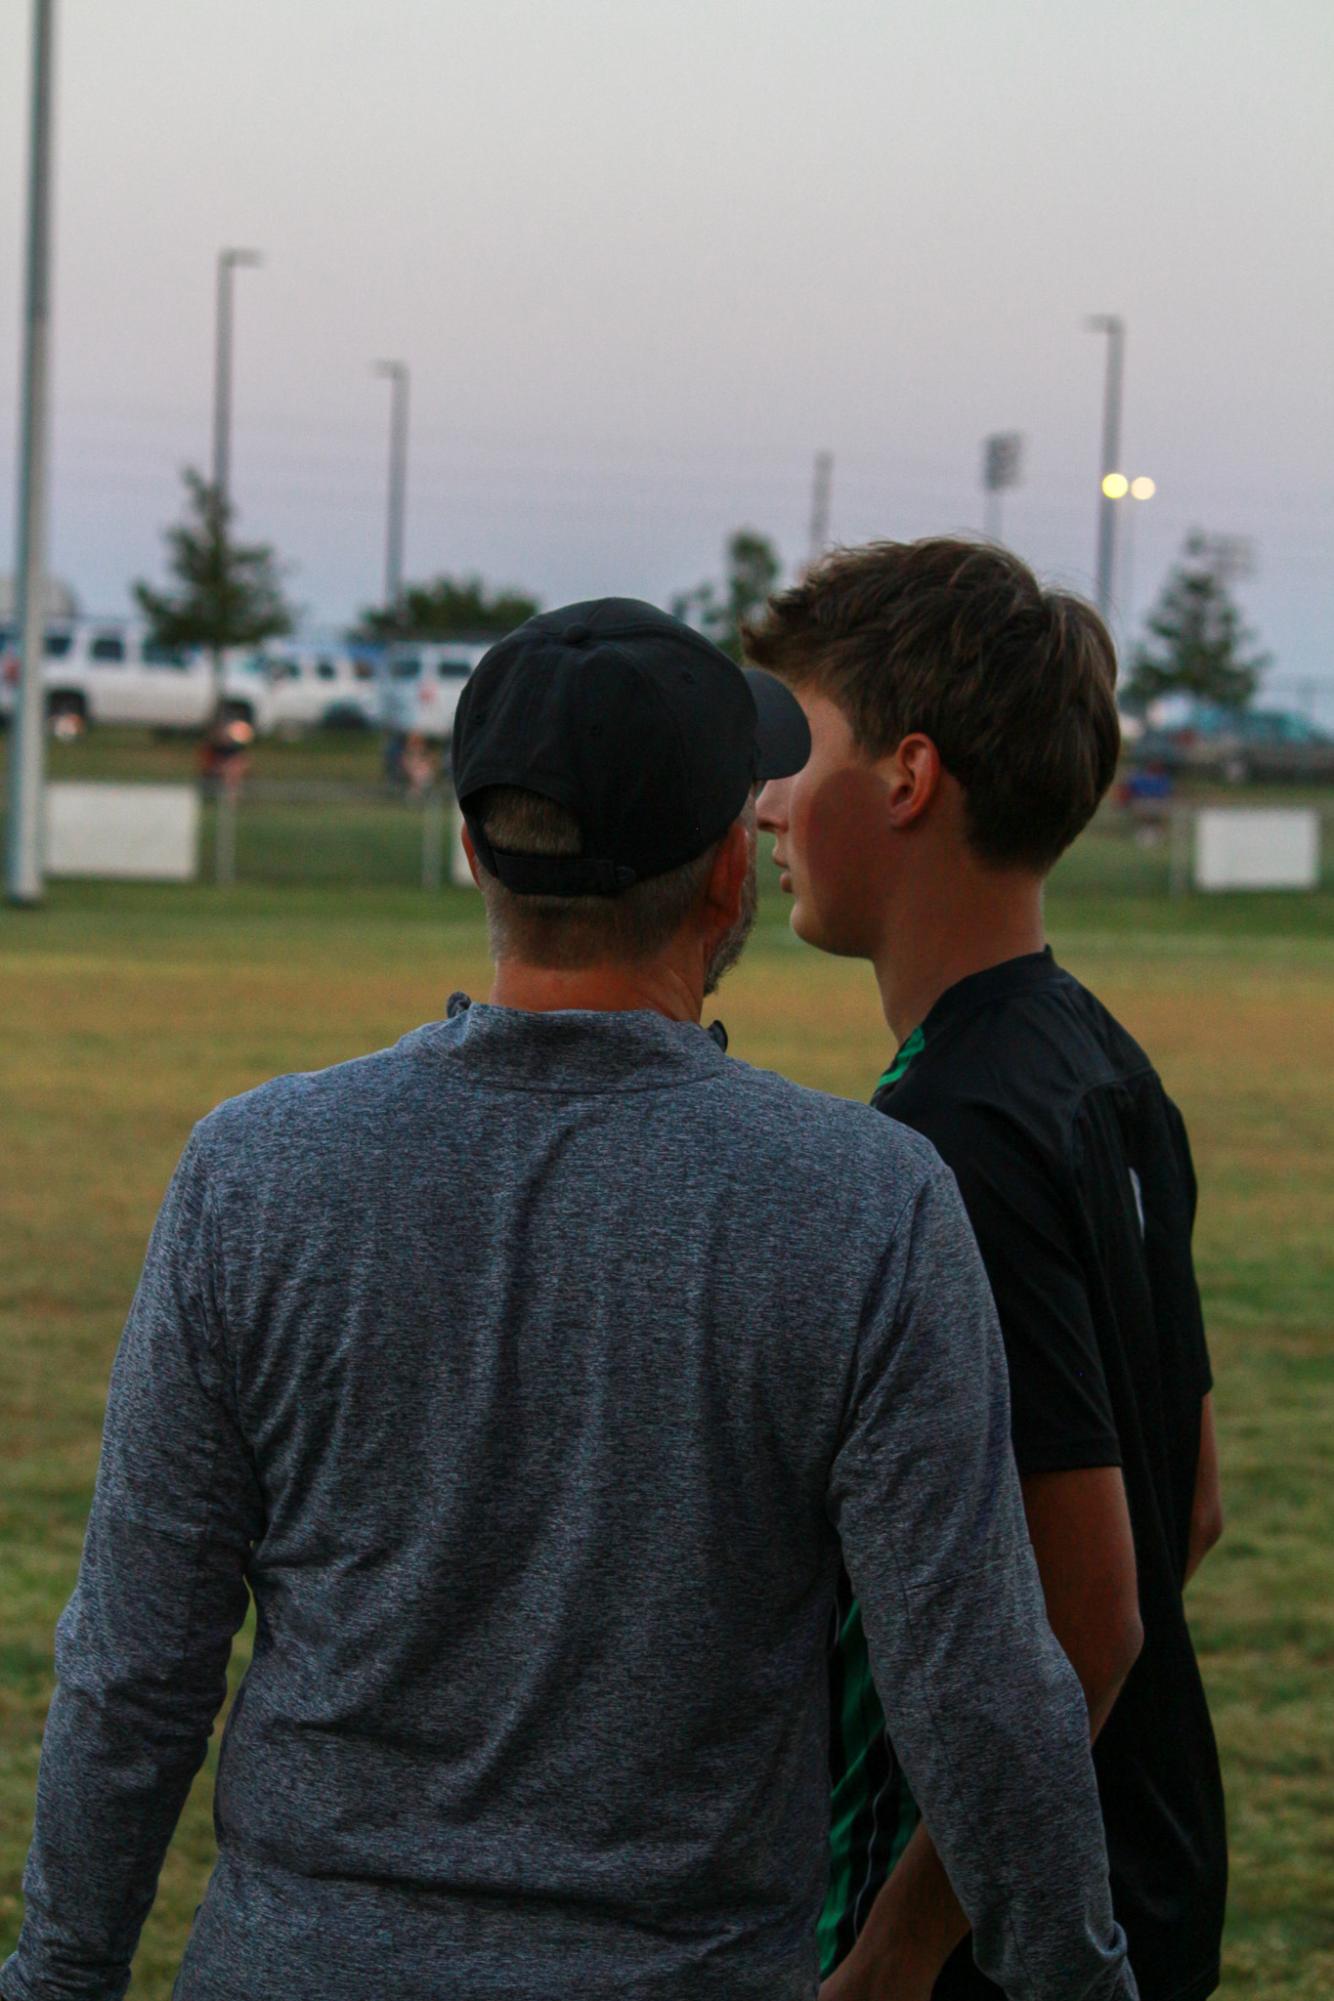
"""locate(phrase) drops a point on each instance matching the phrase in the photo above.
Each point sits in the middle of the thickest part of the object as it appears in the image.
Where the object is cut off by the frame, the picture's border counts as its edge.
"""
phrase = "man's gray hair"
(570, 931)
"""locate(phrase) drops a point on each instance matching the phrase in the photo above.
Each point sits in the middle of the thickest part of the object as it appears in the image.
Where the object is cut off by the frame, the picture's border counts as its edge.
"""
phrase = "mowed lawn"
(126, 1013)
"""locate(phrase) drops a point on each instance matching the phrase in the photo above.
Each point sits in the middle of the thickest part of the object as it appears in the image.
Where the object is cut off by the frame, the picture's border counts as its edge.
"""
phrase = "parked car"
(1237, 744)
(109, 672)
(112, 673)
(300, 688)
(420, 686)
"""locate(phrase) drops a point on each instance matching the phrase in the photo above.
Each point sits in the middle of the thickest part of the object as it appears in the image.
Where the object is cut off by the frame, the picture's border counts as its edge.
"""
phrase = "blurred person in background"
(420, 766)
(393, 746)
(224, 757)
(538, 1376)
(964, 730)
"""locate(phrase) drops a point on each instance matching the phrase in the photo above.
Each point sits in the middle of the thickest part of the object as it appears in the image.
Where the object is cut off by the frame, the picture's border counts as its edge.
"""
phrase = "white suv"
(421, 684)
(298, 688)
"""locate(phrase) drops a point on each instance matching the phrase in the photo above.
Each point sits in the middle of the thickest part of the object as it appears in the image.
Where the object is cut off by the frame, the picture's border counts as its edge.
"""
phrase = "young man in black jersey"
(964, 729)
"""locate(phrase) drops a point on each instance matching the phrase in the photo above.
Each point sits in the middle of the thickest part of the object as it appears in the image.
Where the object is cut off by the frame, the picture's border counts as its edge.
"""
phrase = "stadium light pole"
(229, 262)
(1140, 488)
(821, 488)
(24, 871)
(397, 375)
(1114, 328)
(1002, 458)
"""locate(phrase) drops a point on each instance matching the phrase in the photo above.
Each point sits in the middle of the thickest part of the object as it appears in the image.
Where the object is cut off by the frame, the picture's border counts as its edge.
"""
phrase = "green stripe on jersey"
(872, 1813)
(914, 1046)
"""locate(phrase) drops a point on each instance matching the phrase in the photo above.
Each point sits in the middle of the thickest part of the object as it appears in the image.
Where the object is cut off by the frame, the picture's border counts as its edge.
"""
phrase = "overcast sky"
(646, 257)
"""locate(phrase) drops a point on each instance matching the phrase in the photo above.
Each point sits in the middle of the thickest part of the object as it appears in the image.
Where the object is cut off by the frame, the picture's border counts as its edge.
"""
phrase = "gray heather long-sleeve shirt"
(532, 1375)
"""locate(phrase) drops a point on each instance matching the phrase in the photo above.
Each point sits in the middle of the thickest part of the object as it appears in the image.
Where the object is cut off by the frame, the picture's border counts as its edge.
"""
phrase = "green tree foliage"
(753, 570)
(448, 608)
(1203, 648)
(227, 593)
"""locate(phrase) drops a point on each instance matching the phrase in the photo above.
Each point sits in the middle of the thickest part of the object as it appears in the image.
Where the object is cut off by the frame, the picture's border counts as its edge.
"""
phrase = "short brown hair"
(1014, 685)
(572, 931)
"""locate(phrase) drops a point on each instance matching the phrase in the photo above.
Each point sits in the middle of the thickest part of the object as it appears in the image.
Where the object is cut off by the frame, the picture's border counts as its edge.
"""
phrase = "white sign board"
(1241, 847)
(148, 833)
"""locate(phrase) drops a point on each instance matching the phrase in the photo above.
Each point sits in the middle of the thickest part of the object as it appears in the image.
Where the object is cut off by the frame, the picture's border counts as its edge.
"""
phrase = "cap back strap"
(550, 875)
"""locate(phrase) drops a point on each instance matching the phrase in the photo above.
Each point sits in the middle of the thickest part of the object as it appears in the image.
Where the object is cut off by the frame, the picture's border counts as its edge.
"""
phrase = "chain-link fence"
(1149, 851)
(274, 833)
(337, 833)
(328, 834)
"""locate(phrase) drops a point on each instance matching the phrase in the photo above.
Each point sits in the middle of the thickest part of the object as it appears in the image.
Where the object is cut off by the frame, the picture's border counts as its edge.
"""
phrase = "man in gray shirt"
(534, 1376)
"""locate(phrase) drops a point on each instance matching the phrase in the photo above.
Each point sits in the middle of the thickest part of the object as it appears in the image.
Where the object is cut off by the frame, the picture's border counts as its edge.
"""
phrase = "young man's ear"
(911, 776)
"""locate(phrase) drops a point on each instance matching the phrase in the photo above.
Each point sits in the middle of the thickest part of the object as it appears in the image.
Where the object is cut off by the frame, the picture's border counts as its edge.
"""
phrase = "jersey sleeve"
(984, 1709)
(1061, 1411)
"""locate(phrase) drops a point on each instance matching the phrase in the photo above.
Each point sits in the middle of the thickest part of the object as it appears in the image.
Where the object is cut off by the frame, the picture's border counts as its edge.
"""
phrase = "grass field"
(126, 1012)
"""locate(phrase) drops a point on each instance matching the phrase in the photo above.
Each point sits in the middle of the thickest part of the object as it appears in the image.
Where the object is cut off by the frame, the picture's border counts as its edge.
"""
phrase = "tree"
(1203, 647)
(448, 608)
(753, 570)
(229, 593)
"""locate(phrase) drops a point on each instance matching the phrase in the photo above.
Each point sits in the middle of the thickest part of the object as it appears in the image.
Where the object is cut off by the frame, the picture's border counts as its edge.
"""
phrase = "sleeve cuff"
(1066, 1455)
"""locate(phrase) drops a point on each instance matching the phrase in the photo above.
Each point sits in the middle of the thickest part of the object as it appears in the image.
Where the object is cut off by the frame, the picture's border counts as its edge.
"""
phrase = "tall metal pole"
(1114, 329)
(228, 262)
(397, 375)
(824, 478)
(24, 876)
(1002, 458)
(222, 375)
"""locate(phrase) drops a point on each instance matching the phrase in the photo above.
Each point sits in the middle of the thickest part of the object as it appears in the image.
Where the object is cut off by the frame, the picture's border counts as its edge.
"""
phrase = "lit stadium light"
(1115, 485)
(1142, 488)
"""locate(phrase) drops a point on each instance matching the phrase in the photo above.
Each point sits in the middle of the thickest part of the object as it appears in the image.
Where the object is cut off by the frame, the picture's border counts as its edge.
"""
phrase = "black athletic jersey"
(1076, 1173)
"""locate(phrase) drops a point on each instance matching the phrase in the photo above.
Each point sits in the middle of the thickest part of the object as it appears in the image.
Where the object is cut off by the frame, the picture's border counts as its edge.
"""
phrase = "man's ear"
(911, 776)
(727, 878)
(471, 852)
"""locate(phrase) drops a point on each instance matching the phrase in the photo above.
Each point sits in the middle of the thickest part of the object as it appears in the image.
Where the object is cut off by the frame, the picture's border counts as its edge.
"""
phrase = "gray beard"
(733, 943)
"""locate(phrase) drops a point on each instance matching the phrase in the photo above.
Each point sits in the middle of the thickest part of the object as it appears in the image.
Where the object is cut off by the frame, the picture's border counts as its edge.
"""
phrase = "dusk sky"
(646, 257)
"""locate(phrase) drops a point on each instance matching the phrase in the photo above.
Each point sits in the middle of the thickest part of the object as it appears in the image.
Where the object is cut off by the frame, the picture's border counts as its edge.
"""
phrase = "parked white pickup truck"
(112, 673)
(420, 686)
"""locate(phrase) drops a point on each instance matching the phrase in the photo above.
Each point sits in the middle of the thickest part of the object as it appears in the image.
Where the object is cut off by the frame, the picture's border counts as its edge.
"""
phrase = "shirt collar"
(1013, 976)
(577, 1050)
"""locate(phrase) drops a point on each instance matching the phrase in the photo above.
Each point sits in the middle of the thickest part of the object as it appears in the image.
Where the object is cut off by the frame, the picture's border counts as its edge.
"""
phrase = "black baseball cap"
(634, 722)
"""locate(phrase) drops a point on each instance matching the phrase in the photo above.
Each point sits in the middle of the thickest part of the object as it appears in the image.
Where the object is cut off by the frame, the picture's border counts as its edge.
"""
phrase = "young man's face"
(831, 825)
